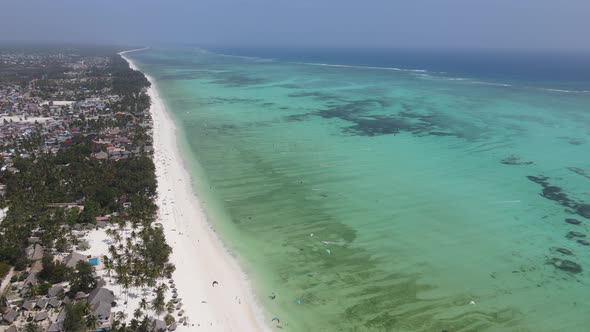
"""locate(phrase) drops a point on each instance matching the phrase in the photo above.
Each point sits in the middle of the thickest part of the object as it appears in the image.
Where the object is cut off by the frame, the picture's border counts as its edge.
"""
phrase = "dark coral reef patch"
(556, 194)
(515, 160)
(565, 265)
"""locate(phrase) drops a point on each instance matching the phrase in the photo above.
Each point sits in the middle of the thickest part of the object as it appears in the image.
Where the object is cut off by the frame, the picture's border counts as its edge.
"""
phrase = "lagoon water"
(370, 196)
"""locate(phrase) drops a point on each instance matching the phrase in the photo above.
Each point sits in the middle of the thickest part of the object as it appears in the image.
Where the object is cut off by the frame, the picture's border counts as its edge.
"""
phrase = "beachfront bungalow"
(29, 305)
(61, 316)
(101, 224)
(43, 315)
(56, 290)
(101, 155)
(36, 252)
(56, 327)
(101, 294)
(102, 312)
(54, 303)
(80, 296)
(101, 301)
(79, 227)
(158, 325)
(41, 304)
(10, 316)
(103, 218)
(73, 258)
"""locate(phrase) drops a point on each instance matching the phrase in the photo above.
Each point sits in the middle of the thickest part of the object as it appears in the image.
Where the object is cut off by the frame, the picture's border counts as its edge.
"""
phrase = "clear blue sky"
(548, 24)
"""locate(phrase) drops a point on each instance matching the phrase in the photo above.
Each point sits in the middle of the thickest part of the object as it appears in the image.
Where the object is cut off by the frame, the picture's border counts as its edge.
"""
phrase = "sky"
(479, 24)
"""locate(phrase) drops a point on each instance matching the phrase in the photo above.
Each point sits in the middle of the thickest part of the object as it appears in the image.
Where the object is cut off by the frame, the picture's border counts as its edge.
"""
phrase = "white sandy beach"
(199, 255)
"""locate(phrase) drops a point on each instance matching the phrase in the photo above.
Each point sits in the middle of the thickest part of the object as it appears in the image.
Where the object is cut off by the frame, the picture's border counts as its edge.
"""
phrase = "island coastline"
(198, 254)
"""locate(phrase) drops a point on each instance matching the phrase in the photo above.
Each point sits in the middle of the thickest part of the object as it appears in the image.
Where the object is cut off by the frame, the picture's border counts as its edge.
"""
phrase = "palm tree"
(126, 282)
(110, 232)
(143, 304)
(108, 265)
(138, 281)
(34, 290)
(120, 317)
(158, 303)
(113, 251)
(122, 275)
(32, 327)
(122, 223)
(134, 323)
(87, 309)
(137, 314)
(117, 237)
(170, 306)
(91, 322)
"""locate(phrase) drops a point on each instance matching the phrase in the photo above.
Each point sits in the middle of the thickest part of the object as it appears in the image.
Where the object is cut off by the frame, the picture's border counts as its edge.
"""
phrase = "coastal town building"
(63, 102)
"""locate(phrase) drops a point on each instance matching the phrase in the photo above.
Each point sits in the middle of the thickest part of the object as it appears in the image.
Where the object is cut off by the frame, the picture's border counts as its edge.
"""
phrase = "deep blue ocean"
(545, 69)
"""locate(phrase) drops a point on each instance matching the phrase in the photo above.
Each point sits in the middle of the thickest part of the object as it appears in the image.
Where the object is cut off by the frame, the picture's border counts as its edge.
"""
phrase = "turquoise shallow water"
(387, 200)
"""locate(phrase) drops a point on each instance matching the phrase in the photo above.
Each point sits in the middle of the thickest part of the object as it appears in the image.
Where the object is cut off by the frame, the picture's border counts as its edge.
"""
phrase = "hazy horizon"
(428, 24)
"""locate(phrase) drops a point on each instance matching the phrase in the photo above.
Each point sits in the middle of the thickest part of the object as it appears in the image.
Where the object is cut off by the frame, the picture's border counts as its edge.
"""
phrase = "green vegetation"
(139, 257)
(83, 279)
(53, 272)
(169, 319)
(158, 303)
(126, 81)
(33, 327)
(70, 175)
(42, 180)
(43, 288)
(75, 320)
(4, 268)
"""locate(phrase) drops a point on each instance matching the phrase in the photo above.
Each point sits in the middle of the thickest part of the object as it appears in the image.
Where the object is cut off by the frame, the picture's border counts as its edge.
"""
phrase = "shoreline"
(198, 253)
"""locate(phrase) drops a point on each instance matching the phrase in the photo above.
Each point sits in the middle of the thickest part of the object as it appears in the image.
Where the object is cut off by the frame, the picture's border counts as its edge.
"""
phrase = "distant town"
(80, 247)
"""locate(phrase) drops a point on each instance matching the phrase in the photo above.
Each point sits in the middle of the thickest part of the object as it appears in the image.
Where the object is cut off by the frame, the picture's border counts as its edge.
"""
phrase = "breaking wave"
(362, 67)
(420, 73)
